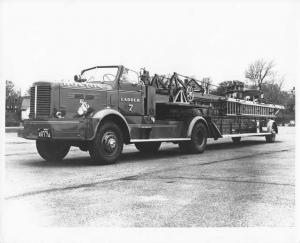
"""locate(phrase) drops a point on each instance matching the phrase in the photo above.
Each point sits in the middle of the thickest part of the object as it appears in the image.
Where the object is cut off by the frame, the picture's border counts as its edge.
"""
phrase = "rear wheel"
(198, 140)
(271, 138)
(52, 150)
(107, 145)
(148, 147)
(236, 139)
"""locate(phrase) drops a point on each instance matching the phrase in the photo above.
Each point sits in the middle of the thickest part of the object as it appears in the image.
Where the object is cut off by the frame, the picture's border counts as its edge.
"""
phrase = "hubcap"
(109, 142)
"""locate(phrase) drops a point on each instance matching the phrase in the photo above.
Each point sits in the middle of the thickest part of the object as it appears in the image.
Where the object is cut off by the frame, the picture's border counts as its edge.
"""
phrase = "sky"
(54, 40)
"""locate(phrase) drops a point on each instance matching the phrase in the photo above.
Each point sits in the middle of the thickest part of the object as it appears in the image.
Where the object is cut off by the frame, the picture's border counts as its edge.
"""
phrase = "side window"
(129, 76)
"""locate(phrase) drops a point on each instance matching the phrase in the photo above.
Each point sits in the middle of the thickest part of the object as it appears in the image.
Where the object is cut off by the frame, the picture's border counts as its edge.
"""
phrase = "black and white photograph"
(149, 121)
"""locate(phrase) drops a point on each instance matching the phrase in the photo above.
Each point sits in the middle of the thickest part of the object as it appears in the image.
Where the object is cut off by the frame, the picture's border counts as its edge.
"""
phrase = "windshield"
(100, 75)
(129, 76)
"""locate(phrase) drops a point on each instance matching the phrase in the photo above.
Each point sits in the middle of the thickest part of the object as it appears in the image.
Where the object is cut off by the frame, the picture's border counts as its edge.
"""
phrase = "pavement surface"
(247, 184)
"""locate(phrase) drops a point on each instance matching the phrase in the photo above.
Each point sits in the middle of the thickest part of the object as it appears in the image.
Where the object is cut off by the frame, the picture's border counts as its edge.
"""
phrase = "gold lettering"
(125, 99)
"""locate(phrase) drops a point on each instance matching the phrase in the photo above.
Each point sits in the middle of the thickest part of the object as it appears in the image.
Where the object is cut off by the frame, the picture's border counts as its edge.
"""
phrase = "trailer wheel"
(236, 139)
(271, 138)
(52, 150)
(148, 147)
(107, 145)
(198, 140)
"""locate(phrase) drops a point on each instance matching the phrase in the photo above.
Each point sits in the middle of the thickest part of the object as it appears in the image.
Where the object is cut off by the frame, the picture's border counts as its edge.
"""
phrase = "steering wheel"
(107, 76)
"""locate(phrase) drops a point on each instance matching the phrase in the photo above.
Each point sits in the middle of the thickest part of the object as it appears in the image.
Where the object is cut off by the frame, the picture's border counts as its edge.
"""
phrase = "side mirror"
(77, 78)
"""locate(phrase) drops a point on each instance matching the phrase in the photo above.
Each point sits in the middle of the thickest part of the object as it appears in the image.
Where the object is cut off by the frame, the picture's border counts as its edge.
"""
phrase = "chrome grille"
(32, 98)
(40, 101)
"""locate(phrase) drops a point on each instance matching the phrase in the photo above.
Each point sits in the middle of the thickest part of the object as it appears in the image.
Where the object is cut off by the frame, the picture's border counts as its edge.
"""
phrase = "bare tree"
(206, 83)
(13, 96)
(259, 71)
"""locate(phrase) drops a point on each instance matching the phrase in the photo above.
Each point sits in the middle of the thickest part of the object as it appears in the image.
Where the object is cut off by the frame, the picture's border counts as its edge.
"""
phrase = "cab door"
(131, 101)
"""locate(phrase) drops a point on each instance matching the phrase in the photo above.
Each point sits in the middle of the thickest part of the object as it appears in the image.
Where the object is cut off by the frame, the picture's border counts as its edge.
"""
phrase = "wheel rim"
(109, 142)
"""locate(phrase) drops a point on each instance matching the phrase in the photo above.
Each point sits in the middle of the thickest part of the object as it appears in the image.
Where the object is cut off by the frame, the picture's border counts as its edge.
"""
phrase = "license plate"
(44, 133)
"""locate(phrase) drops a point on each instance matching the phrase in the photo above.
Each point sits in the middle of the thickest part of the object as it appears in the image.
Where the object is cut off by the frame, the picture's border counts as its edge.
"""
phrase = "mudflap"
(213, 129)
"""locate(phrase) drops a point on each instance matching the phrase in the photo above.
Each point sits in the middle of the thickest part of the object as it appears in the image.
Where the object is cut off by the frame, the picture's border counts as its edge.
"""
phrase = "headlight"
(59, 114)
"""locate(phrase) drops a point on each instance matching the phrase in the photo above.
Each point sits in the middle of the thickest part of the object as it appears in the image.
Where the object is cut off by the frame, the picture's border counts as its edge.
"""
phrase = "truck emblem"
(83, 109)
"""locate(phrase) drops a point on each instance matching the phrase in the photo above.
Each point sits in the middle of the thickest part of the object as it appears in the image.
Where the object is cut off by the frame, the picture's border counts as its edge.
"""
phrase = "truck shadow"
(136, 156)
(231, 145)
(174, 151)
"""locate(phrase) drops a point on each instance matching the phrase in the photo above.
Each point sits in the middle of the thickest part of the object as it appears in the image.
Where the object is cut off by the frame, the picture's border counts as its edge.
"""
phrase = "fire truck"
(106, 107)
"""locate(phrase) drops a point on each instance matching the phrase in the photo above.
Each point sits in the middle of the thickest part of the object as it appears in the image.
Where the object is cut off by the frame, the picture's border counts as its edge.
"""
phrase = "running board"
(245, 135)
(187, 139)
(159, 140)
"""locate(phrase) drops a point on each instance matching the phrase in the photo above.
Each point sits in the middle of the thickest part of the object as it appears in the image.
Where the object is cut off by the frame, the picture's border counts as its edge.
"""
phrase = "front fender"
(108, 111)
(113, 115)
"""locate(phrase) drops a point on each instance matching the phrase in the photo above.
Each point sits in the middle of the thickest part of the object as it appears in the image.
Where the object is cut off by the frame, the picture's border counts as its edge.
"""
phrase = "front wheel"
(107, 145)
(148, 147)
(198, 141)
(52, 150)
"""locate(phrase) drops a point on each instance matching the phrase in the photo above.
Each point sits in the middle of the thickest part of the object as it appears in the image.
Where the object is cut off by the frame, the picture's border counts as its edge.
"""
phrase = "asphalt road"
(246, 184)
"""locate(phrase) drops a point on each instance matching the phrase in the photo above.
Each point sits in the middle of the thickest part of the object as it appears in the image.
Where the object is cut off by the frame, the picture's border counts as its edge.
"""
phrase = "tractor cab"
(114, 76)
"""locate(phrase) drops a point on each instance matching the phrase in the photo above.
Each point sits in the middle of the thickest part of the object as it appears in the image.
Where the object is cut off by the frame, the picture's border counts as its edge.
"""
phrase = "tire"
(271, 138)
(107, 146)
(52, 150)
(236, 139)
(148, 147)
(198, 140)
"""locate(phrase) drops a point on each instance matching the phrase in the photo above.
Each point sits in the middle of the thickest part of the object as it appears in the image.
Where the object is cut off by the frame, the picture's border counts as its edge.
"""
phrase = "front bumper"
(62, 129)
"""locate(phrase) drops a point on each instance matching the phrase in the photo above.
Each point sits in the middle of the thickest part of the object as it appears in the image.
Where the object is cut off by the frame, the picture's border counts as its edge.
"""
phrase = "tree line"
(262, 74)
(13, 97)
